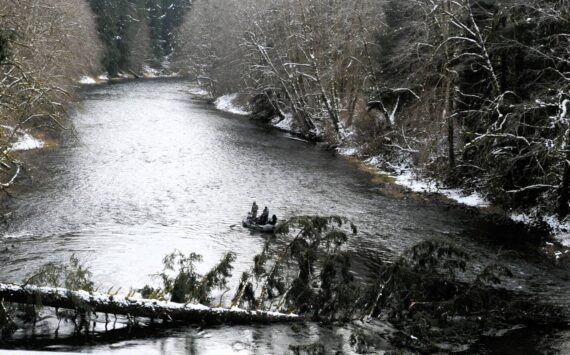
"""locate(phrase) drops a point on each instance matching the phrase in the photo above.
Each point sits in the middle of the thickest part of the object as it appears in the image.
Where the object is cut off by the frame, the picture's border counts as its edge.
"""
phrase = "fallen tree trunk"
(135, 307)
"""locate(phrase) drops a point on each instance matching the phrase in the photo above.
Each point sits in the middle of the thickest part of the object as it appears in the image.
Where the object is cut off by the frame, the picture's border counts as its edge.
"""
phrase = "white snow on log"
(98, 302)
(87, 80)
(226, 103)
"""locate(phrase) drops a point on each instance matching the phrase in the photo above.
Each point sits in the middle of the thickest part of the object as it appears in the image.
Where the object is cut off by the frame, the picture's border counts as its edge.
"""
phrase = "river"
(151, 169)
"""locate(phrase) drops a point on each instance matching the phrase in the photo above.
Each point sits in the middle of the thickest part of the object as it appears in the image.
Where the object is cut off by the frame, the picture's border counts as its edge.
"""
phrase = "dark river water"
(153, 169)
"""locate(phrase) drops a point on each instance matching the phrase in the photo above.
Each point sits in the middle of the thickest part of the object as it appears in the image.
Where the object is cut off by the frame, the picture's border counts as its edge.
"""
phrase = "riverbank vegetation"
(48, 47)
(45, 47)
(138, 35)
(433, 294)
(471, 93)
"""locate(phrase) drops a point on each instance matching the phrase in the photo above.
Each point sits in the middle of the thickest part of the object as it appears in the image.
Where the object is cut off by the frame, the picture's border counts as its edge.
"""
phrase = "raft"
(263, 228)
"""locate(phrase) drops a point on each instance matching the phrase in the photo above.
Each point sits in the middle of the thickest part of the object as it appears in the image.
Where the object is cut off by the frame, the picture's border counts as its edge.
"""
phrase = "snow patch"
(348, 152)
(104, 77)
(150, 72)
(197, 91)
(564, 109)
(285, 124)
(473, 199)
(226, 103)
(26, 141)
(404, 176)
(560, 229)
(521, 218)
(23, 140)
(87, 80)
(347, 134)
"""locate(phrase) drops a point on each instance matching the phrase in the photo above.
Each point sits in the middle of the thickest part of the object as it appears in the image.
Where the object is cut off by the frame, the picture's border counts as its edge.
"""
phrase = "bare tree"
(49, 45)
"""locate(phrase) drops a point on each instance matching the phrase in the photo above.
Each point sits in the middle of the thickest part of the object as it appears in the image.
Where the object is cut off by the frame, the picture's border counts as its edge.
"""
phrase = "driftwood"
(136, 307)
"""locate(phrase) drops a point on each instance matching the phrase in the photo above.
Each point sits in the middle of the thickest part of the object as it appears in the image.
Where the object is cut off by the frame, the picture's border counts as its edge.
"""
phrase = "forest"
(472, 95)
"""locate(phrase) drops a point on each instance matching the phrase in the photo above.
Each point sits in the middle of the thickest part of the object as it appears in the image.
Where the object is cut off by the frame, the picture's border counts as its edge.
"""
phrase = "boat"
(252, 225)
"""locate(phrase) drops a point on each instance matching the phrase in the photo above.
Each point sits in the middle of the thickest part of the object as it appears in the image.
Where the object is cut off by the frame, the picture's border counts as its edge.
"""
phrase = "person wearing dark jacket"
(254, 209)
(264, 216)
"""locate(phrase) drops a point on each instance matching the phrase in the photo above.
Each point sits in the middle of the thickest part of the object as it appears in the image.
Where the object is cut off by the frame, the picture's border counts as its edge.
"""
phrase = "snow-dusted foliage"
(138, 34)
(444, 84)
(45, 48)
(293, 57)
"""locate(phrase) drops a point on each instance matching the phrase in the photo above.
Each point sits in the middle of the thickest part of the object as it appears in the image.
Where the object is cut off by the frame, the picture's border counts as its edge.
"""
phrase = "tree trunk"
(563, 193)
(153, 309)
(447, 115)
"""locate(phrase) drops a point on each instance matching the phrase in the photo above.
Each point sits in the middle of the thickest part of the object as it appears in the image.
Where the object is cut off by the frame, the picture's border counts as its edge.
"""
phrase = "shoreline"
(554, 243)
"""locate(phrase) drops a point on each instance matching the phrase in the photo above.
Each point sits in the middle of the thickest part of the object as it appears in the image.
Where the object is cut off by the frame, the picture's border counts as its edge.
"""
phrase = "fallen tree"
(94, 302)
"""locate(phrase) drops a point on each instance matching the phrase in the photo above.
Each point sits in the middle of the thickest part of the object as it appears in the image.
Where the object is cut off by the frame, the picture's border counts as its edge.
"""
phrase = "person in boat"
(262, 220)
(253, 212)
(273, 220)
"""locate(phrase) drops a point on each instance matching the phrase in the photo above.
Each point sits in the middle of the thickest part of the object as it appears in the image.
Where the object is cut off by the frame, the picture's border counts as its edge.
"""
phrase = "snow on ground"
(349, 152)
(405, 177)
(285, 124)
(149, 72)
(87, 80)
(104, 77)
(23, 140)
(347, 134)
(226, 103)
(521, 218)
(197, 91)
(560, 229)
(26, 141)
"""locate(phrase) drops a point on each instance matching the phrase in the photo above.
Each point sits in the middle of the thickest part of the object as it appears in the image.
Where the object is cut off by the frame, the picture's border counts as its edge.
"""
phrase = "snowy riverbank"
(26, 141)
(228, 103)
(146, 73)
(405, 176)
(23, 140)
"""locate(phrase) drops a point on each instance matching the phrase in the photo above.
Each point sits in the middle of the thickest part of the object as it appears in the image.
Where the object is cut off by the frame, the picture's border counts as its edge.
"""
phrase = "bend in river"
(153, 170)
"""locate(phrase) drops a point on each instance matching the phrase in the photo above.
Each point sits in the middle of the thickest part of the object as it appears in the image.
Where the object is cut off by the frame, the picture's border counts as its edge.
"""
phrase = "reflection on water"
(154, 170)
